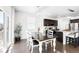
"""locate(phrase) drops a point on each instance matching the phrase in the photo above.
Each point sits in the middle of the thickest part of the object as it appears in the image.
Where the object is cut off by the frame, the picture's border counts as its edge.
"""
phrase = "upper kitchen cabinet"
(74, 21)
(74, 25)
(49, 22)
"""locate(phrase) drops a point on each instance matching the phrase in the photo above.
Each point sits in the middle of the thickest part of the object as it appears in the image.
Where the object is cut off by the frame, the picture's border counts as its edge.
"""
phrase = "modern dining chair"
(53, 43)
(46, 44)
(49, 36)
(31, 43)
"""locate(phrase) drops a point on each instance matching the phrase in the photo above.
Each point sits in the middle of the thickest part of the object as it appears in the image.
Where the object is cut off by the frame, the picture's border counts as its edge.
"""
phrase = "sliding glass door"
(1, 31)
(4, 32)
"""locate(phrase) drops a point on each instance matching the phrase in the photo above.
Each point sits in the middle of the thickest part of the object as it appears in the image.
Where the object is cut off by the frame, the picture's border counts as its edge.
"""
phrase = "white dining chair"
(31, 43)
(28, 35)
(53, 43)
(49, 36)
(46, 43)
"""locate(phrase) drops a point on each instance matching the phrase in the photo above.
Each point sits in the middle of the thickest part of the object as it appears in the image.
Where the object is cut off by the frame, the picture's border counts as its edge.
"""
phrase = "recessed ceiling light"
(37, 6)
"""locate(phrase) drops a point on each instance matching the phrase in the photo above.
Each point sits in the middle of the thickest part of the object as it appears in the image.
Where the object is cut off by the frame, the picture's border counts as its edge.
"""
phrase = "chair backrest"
(76, 35)
(31, 41)
(50, 34)
(29, 38)
(40, 36)
(35, 35)
(28, 34)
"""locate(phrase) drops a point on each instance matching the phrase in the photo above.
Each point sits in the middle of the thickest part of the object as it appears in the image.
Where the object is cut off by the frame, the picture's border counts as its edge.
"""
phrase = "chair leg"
(29, 46)
(54, 45)
(51, 44)
(75, 42)
(40, 47)
(70, 40)
(67, 40)
(32, 49)
(45, 46)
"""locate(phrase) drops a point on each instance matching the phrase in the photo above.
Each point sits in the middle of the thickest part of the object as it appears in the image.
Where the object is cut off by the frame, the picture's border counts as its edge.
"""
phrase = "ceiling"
(29, 9)
(52, 11)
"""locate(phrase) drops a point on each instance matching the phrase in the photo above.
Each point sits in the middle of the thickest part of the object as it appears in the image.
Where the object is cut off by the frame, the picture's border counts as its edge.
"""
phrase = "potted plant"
(17, 32)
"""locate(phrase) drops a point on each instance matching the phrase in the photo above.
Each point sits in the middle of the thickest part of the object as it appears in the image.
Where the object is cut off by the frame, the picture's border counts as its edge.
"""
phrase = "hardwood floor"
(67, 48)
(21, 47)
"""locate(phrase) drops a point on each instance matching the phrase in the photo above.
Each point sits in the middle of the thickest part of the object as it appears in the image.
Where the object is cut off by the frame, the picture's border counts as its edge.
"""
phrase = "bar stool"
(72, 39)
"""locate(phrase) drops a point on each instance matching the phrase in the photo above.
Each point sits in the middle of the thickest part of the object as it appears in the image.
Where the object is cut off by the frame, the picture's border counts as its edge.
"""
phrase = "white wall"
(27, 22)
(63, 23)
(31, 22)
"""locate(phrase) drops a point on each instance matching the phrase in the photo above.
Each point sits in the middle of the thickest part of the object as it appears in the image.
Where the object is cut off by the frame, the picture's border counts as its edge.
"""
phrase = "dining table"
(44, 39)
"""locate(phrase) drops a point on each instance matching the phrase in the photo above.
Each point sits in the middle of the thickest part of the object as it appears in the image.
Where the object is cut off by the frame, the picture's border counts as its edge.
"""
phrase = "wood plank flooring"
(21, 47)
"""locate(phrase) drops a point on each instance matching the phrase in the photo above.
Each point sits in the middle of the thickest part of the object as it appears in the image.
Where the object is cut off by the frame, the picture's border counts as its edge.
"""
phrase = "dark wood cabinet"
(57, 33)
(49, 22)
(74, 21)
(59, 36)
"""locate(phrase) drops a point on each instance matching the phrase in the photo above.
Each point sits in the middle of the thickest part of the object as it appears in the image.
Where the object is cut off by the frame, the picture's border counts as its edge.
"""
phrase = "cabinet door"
(59, 36)
(48, 22)
(74, 21)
